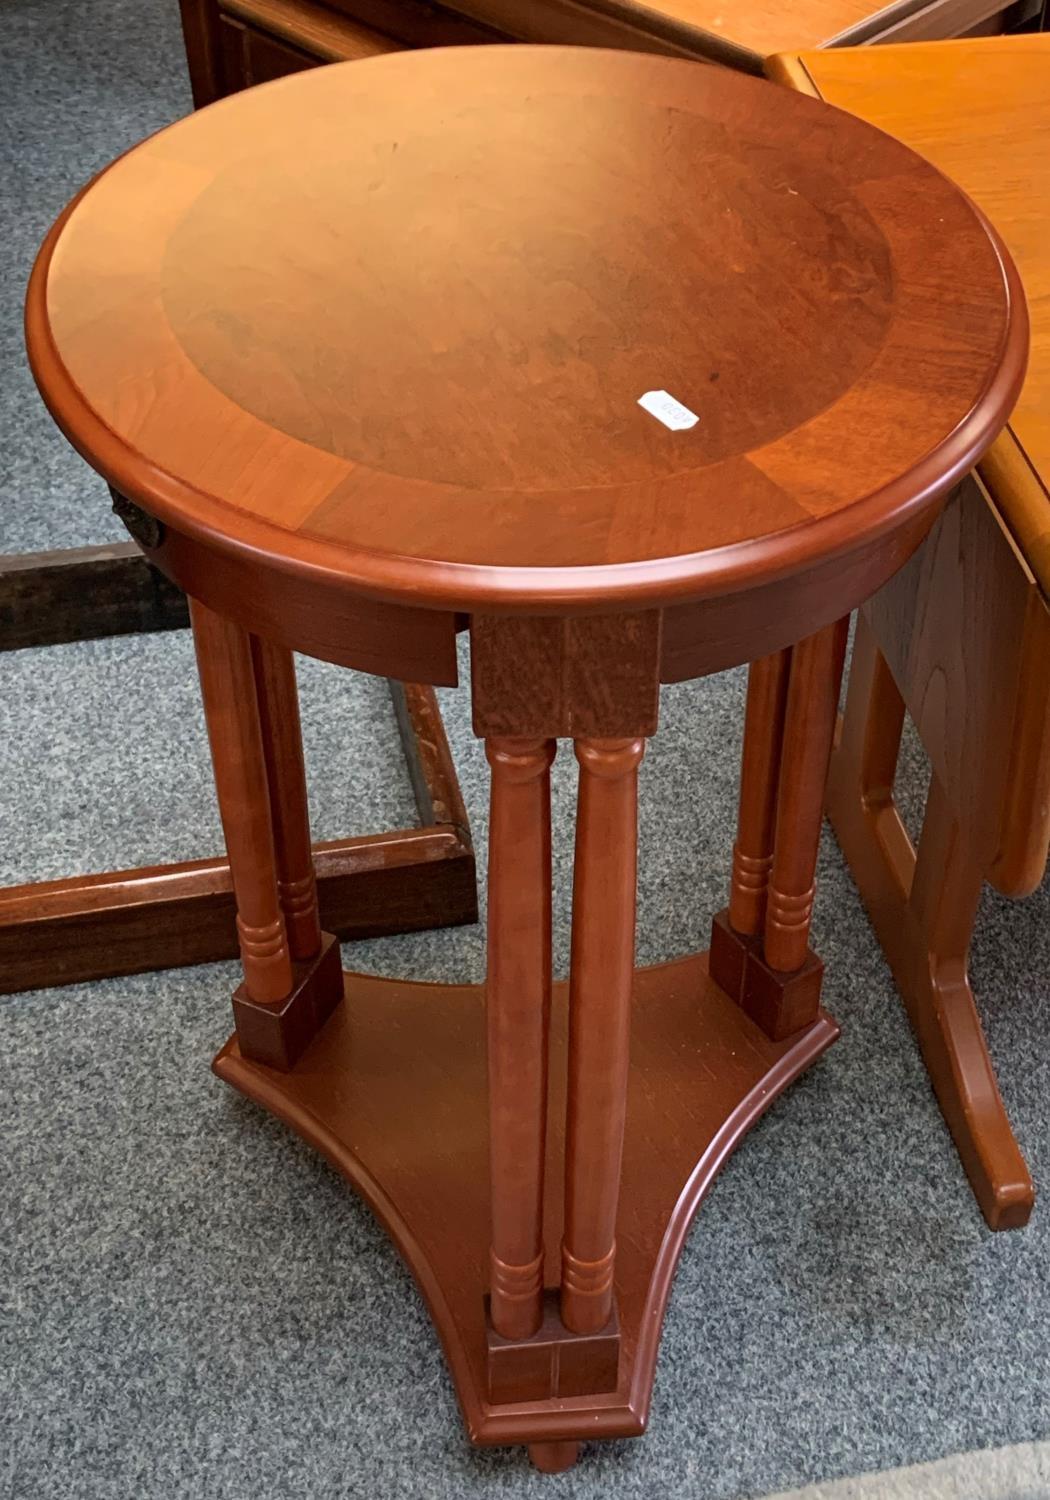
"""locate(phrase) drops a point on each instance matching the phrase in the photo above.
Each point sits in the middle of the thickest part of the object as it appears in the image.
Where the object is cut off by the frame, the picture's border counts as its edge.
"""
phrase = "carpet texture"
(193, 1304)
(80, 82)
(1021, 1472)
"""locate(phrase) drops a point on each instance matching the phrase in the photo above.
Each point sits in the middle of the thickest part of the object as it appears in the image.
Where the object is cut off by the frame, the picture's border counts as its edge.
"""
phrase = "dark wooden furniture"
(406, 324)
(129, 921)
(231, 44)
(164, 916)
(961, 637)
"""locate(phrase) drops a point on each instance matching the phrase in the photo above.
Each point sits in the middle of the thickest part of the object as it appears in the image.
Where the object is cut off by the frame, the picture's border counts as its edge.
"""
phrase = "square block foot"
(278, 1035)
(727, 960)
(782, 1003)
(554, 1362)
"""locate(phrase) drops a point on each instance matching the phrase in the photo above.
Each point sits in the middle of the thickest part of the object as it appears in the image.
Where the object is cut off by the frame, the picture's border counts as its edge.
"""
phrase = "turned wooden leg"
(736, 930)
(767, 688)
(781, 981)
(603, 932)
(224, 661)
(812, 706)
(518, 998)
(278, 700)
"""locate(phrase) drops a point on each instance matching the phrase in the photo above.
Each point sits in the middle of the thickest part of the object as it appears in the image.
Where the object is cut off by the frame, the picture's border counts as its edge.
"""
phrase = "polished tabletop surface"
(995, 145)
(396, 318)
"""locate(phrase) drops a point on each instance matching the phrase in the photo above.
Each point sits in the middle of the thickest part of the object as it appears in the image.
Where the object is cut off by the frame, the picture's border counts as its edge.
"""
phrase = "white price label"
(663, 406)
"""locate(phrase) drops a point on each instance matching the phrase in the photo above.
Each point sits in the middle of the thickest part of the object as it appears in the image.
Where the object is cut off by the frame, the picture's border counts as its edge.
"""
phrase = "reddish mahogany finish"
(415, 1054)
(759, 775)
(554, 1458)
(387, 328)
(519, 1002)
(603, 921)
(398, 467)
(224, 659)
(813, 698)
(278, 700)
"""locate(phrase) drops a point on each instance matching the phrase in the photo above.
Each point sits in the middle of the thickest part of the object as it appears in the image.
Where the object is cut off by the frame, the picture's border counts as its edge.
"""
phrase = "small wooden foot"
(782, 1003)
(278, 1035)
(950, 1036)
(727, 959)
(553, 1458)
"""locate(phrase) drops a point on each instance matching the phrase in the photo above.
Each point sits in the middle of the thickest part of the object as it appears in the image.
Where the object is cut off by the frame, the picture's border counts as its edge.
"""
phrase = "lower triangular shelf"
(393, 1092)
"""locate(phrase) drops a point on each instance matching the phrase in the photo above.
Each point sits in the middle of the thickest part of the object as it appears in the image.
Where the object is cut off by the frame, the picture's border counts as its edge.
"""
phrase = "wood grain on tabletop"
(415, 347)
(996, 149)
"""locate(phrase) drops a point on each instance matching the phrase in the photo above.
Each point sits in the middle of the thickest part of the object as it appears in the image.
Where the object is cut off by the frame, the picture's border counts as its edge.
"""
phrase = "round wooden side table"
(637, 370)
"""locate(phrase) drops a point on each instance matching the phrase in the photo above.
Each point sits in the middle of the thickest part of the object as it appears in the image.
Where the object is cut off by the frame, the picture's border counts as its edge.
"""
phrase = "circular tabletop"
(517, 326)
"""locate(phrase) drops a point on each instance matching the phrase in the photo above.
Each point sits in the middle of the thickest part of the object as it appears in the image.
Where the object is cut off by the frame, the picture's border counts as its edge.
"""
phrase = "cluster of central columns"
(789, 728)
(518, 1004)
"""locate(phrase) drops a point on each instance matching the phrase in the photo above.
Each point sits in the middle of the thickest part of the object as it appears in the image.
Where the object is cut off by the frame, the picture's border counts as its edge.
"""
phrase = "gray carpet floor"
(80, 82)
(1019, 1472)
(194, 1305)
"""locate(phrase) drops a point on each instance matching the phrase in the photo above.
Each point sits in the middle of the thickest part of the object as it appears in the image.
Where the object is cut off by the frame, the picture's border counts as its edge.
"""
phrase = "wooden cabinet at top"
(231, 44)
(234, 43)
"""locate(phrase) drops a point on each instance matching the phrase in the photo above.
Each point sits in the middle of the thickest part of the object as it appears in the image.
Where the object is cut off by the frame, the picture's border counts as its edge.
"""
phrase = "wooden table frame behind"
(960, 640)
(163, 916)
(232, 44)
(131, 921)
